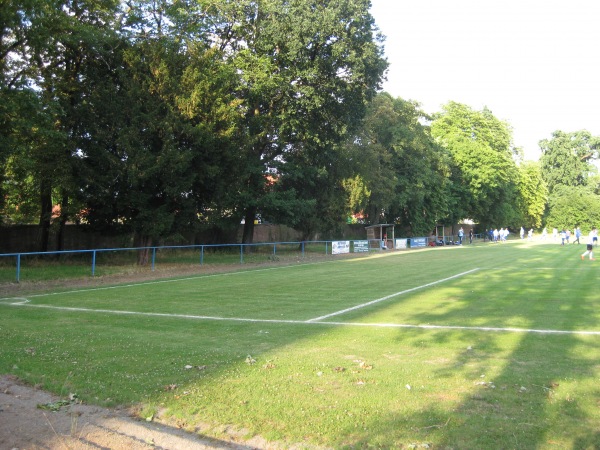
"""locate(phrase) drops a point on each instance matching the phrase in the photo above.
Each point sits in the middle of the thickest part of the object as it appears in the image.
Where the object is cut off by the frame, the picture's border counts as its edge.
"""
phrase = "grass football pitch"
(479, 346)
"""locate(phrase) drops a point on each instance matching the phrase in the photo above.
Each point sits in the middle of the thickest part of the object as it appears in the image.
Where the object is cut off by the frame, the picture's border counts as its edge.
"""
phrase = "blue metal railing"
(347, 246)
(201, 248)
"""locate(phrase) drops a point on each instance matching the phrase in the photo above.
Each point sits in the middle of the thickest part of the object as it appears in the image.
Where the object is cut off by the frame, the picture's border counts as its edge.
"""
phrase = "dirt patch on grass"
(33, 419)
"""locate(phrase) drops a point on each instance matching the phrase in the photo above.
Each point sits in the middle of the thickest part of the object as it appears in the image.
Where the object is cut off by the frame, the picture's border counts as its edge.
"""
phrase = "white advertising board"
(338, 247)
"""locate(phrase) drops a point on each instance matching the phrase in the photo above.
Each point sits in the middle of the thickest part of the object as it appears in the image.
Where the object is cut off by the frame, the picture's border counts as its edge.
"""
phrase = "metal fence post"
(93, 262)
(18, 268)
(202, 255)
(153, 257)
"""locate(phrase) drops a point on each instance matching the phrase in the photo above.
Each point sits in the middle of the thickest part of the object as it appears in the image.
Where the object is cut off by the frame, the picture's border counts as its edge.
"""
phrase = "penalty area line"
(312, 323)
(14, 301)
(151, 314)
(387, 297)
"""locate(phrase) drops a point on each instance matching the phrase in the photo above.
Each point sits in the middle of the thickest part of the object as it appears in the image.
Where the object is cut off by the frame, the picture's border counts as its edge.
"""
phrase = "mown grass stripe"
(387, 297)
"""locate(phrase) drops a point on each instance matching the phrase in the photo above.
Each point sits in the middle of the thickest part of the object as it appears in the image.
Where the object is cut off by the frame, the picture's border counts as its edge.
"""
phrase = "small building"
(381, 235)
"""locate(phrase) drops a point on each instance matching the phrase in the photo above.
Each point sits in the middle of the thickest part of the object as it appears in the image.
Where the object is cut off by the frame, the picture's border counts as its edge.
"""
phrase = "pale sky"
(534, 63)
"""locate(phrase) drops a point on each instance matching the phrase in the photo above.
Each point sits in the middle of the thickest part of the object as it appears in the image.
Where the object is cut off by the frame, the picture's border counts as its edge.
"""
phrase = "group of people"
(461, 236)
(501, 235)
(591, 241)
(498, 235)
(565, 235)
(530, 233)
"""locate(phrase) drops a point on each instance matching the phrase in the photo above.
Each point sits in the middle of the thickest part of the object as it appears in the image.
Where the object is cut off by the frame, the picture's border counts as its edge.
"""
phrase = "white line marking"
(387, 297)
(14, 301)
(311, 323)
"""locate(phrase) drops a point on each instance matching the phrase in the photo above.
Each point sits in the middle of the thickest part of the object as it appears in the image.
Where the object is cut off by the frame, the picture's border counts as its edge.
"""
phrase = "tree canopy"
(484, 168)
(568, 166)
(402, 175)
(155, 116)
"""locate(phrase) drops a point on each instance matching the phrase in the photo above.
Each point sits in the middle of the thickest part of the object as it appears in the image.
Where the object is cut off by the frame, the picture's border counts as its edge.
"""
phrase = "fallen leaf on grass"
(54, 406)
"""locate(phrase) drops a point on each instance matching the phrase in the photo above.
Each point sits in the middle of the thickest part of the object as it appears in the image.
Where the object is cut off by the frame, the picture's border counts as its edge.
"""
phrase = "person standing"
(471, 236)
(502, 234)
(461, 234)
(522, 233)
(590, 244)
(577, 235)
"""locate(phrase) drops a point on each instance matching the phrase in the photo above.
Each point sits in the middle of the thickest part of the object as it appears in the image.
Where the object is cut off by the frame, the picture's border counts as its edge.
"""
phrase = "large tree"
(573, 206)
(292, 79)
(566, 158)
(164, 130)
(568, 168)
(404, 172)
(46, 54)
(532, 194)
(481, 147)
(307, 71)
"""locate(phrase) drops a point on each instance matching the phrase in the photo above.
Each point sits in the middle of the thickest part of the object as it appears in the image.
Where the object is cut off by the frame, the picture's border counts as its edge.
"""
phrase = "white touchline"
(312, 323)
(387, 297)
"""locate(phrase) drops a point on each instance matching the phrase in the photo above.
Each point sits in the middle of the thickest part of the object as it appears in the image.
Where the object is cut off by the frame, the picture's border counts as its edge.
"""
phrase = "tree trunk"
(45, 214)
(143, 254)
(248, 234)
(60, 238)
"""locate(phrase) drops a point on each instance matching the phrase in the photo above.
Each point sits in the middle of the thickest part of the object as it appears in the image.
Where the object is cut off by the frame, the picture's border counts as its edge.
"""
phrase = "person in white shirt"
(590, 244)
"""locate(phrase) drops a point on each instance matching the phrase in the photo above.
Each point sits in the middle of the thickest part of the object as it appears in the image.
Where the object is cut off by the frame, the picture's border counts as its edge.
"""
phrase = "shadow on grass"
(533, 395)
